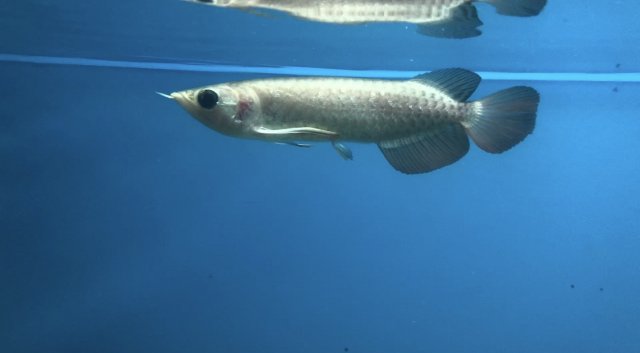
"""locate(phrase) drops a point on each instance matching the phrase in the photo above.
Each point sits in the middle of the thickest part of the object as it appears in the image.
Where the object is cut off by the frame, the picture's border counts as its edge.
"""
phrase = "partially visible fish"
(419, 124)
(439, 18)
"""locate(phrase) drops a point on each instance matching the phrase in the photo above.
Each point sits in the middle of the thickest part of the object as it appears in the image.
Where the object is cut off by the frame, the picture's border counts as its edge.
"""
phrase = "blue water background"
(126, 226)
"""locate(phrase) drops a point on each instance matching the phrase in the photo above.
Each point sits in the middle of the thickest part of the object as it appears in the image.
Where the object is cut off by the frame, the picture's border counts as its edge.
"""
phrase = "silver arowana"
(439, 18)
(420, 124)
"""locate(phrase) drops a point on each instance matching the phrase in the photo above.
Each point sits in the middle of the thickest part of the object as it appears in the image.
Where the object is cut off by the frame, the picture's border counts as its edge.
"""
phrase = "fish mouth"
(174, 95)
(168, 96)
(185, 101)
(179, 97)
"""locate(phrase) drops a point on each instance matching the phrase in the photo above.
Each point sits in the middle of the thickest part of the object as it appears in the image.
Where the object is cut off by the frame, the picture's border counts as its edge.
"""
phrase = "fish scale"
(355, 109)
(345, 11)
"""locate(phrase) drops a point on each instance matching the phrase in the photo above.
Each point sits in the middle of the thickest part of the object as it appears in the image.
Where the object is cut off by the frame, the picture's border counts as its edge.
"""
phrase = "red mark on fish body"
(243, 108)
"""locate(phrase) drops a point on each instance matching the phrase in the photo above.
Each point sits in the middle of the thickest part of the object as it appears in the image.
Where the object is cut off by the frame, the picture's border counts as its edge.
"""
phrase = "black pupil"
(207, 98)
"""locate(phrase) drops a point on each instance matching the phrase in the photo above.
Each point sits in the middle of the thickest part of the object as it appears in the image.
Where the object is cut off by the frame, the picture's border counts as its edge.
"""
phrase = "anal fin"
(462, 22)
(426, 151)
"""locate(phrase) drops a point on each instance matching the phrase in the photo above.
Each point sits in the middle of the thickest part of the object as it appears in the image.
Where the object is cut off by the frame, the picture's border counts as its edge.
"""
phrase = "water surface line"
(310, 71)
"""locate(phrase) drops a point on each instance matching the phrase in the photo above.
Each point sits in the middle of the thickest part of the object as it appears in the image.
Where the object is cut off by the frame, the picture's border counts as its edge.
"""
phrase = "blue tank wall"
(569, 36)
(127, 226)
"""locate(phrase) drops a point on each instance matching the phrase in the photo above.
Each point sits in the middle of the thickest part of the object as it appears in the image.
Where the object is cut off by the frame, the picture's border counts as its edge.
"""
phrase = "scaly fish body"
(440, 18)
(360, 11)
(412, 121)
(355, 109)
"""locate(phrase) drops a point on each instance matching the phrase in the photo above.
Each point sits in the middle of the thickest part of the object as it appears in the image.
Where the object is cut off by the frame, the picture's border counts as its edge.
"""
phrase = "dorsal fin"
(458, 84)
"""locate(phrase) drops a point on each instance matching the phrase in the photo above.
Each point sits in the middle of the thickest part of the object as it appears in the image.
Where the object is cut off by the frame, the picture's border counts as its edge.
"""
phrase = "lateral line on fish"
(311, 71)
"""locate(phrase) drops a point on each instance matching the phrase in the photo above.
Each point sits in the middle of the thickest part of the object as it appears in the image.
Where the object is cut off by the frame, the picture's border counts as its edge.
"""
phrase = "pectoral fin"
(295, 144)
(427, 151)
(343, 151)
(294, 132)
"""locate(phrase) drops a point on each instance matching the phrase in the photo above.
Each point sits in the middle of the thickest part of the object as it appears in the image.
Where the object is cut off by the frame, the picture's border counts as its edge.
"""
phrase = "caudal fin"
(501, 120)
(521, 8)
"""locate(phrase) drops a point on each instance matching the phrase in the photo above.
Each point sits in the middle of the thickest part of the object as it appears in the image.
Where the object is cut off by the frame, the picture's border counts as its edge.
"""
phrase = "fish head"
(219, 107)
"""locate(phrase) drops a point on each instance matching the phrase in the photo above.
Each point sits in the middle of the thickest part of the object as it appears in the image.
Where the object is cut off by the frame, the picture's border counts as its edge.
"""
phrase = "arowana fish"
(419, 124)
(439, 18)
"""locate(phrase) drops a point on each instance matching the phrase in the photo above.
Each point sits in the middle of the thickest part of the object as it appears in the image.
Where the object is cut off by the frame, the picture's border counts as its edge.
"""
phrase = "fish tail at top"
(521, 8)
(503, 119)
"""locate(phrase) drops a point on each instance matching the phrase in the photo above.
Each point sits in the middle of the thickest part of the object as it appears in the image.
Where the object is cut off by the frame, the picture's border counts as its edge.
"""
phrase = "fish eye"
(207, 98)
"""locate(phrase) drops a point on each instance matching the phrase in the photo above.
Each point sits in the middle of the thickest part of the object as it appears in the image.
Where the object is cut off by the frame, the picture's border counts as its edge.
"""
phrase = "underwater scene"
(280, 176)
